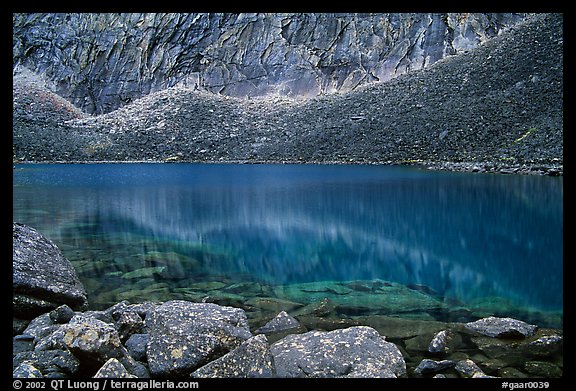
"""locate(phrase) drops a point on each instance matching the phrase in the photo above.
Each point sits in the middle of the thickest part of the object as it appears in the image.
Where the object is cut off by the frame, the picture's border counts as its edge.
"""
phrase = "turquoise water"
(439, 240)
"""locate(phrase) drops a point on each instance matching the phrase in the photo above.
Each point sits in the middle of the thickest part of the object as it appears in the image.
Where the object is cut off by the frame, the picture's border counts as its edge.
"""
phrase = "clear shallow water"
(482, 242)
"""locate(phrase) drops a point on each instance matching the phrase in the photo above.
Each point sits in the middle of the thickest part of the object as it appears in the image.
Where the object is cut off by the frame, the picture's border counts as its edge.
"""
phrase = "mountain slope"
(498, 105)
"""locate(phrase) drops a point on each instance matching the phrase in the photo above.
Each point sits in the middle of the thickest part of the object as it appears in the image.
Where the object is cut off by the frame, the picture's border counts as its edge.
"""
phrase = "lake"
(391, 240)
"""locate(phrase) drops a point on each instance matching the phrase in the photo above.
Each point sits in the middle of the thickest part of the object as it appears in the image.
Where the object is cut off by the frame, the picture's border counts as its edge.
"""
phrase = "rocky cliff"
(100, 62)
(499, 105)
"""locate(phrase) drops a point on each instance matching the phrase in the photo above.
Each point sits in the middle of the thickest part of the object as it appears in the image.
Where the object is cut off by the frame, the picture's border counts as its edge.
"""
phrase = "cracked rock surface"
(103, 61)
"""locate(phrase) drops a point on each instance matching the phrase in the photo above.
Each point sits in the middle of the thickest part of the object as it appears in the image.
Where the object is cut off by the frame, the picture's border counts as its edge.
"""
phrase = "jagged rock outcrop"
(103, 61)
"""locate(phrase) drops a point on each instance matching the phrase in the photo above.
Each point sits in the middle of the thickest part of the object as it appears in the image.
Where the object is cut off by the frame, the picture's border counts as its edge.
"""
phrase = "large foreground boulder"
(184, 336)
(42, 277)
(352, 352)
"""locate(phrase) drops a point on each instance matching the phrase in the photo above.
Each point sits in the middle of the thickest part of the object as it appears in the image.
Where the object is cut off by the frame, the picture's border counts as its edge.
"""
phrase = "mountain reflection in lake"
(459, 235)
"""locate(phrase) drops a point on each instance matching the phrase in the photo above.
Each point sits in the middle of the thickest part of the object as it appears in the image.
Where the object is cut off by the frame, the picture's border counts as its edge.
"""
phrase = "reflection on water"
(463, 236)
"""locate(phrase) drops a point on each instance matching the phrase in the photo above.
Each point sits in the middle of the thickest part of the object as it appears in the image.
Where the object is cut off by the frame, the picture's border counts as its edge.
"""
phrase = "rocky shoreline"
(55, 335)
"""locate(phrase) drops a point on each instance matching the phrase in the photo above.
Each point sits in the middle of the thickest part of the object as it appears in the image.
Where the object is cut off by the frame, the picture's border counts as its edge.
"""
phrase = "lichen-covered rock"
(87, 338)
(352, 352)
(113, 369)
(55, 362)
(26, 370)
(184, 336)
(42, 278)
(502, 327)
(251, 359)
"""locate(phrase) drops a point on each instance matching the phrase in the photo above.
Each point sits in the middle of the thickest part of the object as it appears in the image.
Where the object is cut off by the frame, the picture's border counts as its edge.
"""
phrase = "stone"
(89, 339)
(511, 372)
(128, 323)
(251, 359)
(50, 362)
(280, 326)
(113, 369)
(502, 327)
(62, 314)
(543, 369)
(320, 308)
(136, 346)
(26, 370)
(546, 346)
(184, 336)
(352, 352)
(362, 297)
(444, 342)
(22, 343)
(427, 366)
(281, 322)
(468, 368)
(41, 326)
(42, 278)
(401, 328)
(273, 304)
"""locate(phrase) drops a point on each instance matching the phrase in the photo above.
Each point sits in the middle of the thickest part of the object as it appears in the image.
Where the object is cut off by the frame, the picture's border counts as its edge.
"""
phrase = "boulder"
(251, 359)
(136, 346)
(51, 363)
(42, 278)
(468, 368)
(502, 327)
(352, 352)
(26, 370)
(113, 369)
(184, 336)
(87, 338)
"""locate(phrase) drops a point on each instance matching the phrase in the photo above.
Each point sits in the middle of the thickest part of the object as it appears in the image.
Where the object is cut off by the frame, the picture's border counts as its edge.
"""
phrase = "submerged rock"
(351, 352)
(184, 336)
(42, 278)
(502, 327)
(468, 368)
(428, 366)
(444, 342)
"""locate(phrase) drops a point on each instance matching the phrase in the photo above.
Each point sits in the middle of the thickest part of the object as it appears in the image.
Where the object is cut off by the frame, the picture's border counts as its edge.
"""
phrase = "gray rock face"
(251, 359)
(502, 327)
(102, 61)
(352, 352)
(184, 336)
(42, 277)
